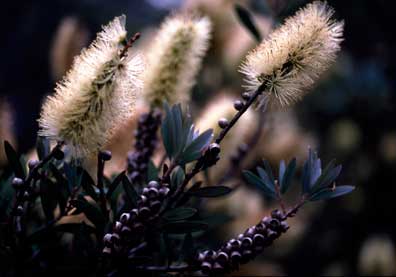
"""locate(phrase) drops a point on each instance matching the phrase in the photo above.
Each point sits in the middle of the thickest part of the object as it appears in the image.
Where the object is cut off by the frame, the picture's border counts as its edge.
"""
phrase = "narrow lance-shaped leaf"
(180, 213)
(267, 181)
(256, 181)
(246, 19)
(212, 191)
(193, 151)
(287, 176)
(14, 161)
(331, 193)
(130, 191)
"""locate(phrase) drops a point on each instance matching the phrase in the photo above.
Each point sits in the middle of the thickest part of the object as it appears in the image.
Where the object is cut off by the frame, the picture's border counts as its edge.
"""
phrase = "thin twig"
(129, 44)
(234, 120)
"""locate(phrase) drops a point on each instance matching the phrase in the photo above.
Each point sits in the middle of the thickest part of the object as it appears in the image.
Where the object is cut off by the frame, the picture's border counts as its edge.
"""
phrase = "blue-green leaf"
(267, 181)
(177, 177)
(180, 213)
(328, 193)
(287, 175)
(14, 161)
(212, 191)
(246, 19)
(256, 181)
(193, 150)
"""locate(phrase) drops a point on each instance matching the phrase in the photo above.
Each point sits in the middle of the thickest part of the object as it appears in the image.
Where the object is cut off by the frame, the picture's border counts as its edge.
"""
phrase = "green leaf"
(88, 185)
(184, 227)
(167, 131)
(62, 186)
(287, 176)
(113, 186)
(42, 147)
(152, 172)
(130, 192)
(256, 181)
(268, 170)
(91, 212)
(212, 191)
(177, 177)
(6, 196)
(194, 149)
(13, 160)
(328, 193)
(329, 175)
(246, 19)
(180, 213)
(48, 195)
(267, 181)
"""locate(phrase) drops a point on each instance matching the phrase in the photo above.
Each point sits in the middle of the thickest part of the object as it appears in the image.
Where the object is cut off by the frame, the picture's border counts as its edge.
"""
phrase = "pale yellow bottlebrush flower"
(96, 96)
(223, 107)
(175, 57)
(294, 55)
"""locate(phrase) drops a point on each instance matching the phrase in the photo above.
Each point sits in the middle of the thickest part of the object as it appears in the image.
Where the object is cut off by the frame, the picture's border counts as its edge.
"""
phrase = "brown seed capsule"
(153, 184)
(235, 256)
(246, 96)
(105, 155)
(163, 191)
(247, 242)
(206, 267)
(144, 212)
(155, 205)
(238, 105)
(17, 182)
(117, 226)
(217, 267)
(284, 226)
(258, 239)
(222, 258)
(152, 193)
(223, 123)
(32, 164)
(125, 231)
(124, 218)
(246, 256)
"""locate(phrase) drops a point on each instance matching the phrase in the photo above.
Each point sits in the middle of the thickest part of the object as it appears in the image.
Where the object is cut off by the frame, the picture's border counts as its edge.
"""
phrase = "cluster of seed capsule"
(130, 228)
(245, 247)
(145, 143)
(238, 105)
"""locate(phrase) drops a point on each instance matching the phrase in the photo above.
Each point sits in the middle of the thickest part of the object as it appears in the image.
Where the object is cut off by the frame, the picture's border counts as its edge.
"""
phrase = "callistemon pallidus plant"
(146, 219)
(175, 57)
(97, 94)
(290, 60)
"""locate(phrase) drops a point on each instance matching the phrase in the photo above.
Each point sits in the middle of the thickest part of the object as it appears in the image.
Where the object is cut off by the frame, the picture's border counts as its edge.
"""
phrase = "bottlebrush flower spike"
(96, 95)
(294, 55)
(174, 59)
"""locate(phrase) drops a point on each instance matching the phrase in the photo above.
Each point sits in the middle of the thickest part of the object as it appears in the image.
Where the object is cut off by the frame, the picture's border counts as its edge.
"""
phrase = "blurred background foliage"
(350, 116)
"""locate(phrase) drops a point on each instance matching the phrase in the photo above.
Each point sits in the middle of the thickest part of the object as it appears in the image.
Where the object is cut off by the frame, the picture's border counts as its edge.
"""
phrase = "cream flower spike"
(174, 58)
(96, 96)
(294, 56)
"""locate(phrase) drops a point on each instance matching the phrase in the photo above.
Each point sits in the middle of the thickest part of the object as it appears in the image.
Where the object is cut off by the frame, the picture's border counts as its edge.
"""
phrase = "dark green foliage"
(14, 160)
(180, 213)
(213, 191)
(247, 21)
(182, 142)
(316, 184)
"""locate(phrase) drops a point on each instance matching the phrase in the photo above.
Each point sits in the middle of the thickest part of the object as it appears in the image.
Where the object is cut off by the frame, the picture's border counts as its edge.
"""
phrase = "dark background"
(361, 93)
